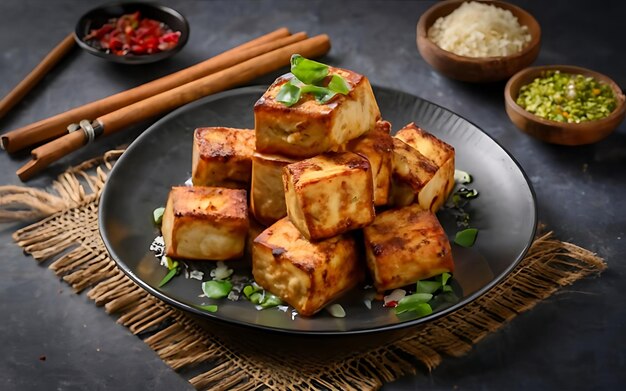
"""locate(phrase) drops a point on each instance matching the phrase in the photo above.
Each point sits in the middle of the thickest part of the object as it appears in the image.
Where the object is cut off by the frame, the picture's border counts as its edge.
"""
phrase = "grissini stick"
(169, 100)
(51, 59)
(53, 127)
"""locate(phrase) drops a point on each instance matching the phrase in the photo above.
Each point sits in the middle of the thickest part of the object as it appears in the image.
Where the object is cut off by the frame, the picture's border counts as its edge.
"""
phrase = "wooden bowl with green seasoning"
(554, 128)
(476, 69)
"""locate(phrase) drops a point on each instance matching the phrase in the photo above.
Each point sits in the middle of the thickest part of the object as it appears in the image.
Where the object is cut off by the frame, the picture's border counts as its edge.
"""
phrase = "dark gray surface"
(574, 340)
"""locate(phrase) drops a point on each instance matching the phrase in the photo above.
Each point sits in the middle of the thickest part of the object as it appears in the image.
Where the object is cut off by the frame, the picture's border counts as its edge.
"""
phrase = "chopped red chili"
(132, 34)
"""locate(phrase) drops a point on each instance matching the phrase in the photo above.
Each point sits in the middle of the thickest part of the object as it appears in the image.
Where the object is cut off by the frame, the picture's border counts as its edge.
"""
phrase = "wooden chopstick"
(56, 126)
(51, 59)
(227, 78)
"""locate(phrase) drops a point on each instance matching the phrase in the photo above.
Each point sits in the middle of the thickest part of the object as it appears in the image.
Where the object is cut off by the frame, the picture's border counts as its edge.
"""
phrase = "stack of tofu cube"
(327, 181)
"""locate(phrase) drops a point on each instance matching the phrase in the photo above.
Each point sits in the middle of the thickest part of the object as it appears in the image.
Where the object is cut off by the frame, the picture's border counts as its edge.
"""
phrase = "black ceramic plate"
(504, 213)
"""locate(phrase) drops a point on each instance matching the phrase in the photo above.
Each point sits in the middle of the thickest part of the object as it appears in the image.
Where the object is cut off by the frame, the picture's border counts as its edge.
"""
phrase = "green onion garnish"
(157, 215)
(338, 84)
(308, 71)
(209, 308)
(466, 238)
(462, 177)
(426, 286)
(216, 289)
(289, 94)
(336, 310)
(168, 277)
(309, 77)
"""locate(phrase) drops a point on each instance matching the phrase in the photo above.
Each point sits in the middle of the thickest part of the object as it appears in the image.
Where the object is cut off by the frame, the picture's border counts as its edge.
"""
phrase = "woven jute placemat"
(67, 237)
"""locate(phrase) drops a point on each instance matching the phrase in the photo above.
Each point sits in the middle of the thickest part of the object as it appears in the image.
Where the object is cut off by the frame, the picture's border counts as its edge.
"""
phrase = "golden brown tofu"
(267, 195)
(309, 128)
(208, 223)
(222, 157)
(329, 194)
(411, 173)
(305, 275)
(435, 193)
(405, 245)
(377, 146)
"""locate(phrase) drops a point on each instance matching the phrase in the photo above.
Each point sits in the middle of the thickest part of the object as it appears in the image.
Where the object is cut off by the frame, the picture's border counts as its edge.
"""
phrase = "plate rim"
(306, 333)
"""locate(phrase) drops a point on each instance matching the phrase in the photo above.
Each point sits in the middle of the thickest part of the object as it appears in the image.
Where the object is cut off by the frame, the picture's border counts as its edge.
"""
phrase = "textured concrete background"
(574, 340)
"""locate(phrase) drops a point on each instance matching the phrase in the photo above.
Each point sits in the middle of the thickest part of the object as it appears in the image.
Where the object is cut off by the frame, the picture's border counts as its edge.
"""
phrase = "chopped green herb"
(216, 289)
(310, 78)
(429, 294)
(567, 97)
(170, 263)
(248, 290)
(221, 272)
(338, 84)
(336, 310)
(466, 238)
(462, 177)
(157, 215)
(321, 94)
(410, 302)
(308, 71)
(443, 278)
(425, 286)
(168, 277)
(289, 94)
(466, 193)
(209, 308)
(270, 300)
(256, 297)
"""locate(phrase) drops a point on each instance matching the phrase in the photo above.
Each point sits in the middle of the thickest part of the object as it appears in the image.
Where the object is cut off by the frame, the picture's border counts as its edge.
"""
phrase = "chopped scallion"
(466, 238)
(308, 71)
(462, 177)
(157, 215)
(168, 277)
(209, 308)
(216, 289)
(336, 310)
(288, 95)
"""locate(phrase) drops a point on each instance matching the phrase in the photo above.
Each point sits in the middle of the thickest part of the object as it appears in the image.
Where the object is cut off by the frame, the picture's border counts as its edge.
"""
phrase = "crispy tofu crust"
(308, 128)
(329, 194)
(438, 151)
(306, 275)
(434, 193)
(405, 245)
(411, 172)
(377, 146)
(222, 157)
(267, 195)
(205, 223)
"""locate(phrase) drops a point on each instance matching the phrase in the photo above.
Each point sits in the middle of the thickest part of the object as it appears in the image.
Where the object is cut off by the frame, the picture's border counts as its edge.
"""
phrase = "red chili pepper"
(132, 34)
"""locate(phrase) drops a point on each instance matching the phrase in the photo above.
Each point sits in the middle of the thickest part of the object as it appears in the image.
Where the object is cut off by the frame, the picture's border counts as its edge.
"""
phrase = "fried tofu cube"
(206, 223)
(329, 194)
(309, 128)
(267, 195)
(435, 193)
(405, 245)
(222, 157)
(377, 146)
(306, 275)
(412, 172)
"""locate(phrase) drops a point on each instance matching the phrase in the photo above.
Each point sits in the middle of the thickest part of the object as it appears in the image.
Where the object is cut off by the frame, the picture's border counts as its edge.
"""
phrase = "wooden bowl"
(555, 132)
(476, 69)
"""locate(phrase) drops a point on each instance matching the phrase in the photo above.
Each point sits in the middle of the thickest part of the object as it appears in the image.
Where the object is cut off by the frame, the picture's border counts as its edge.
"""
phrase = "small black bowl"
(99, 16)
